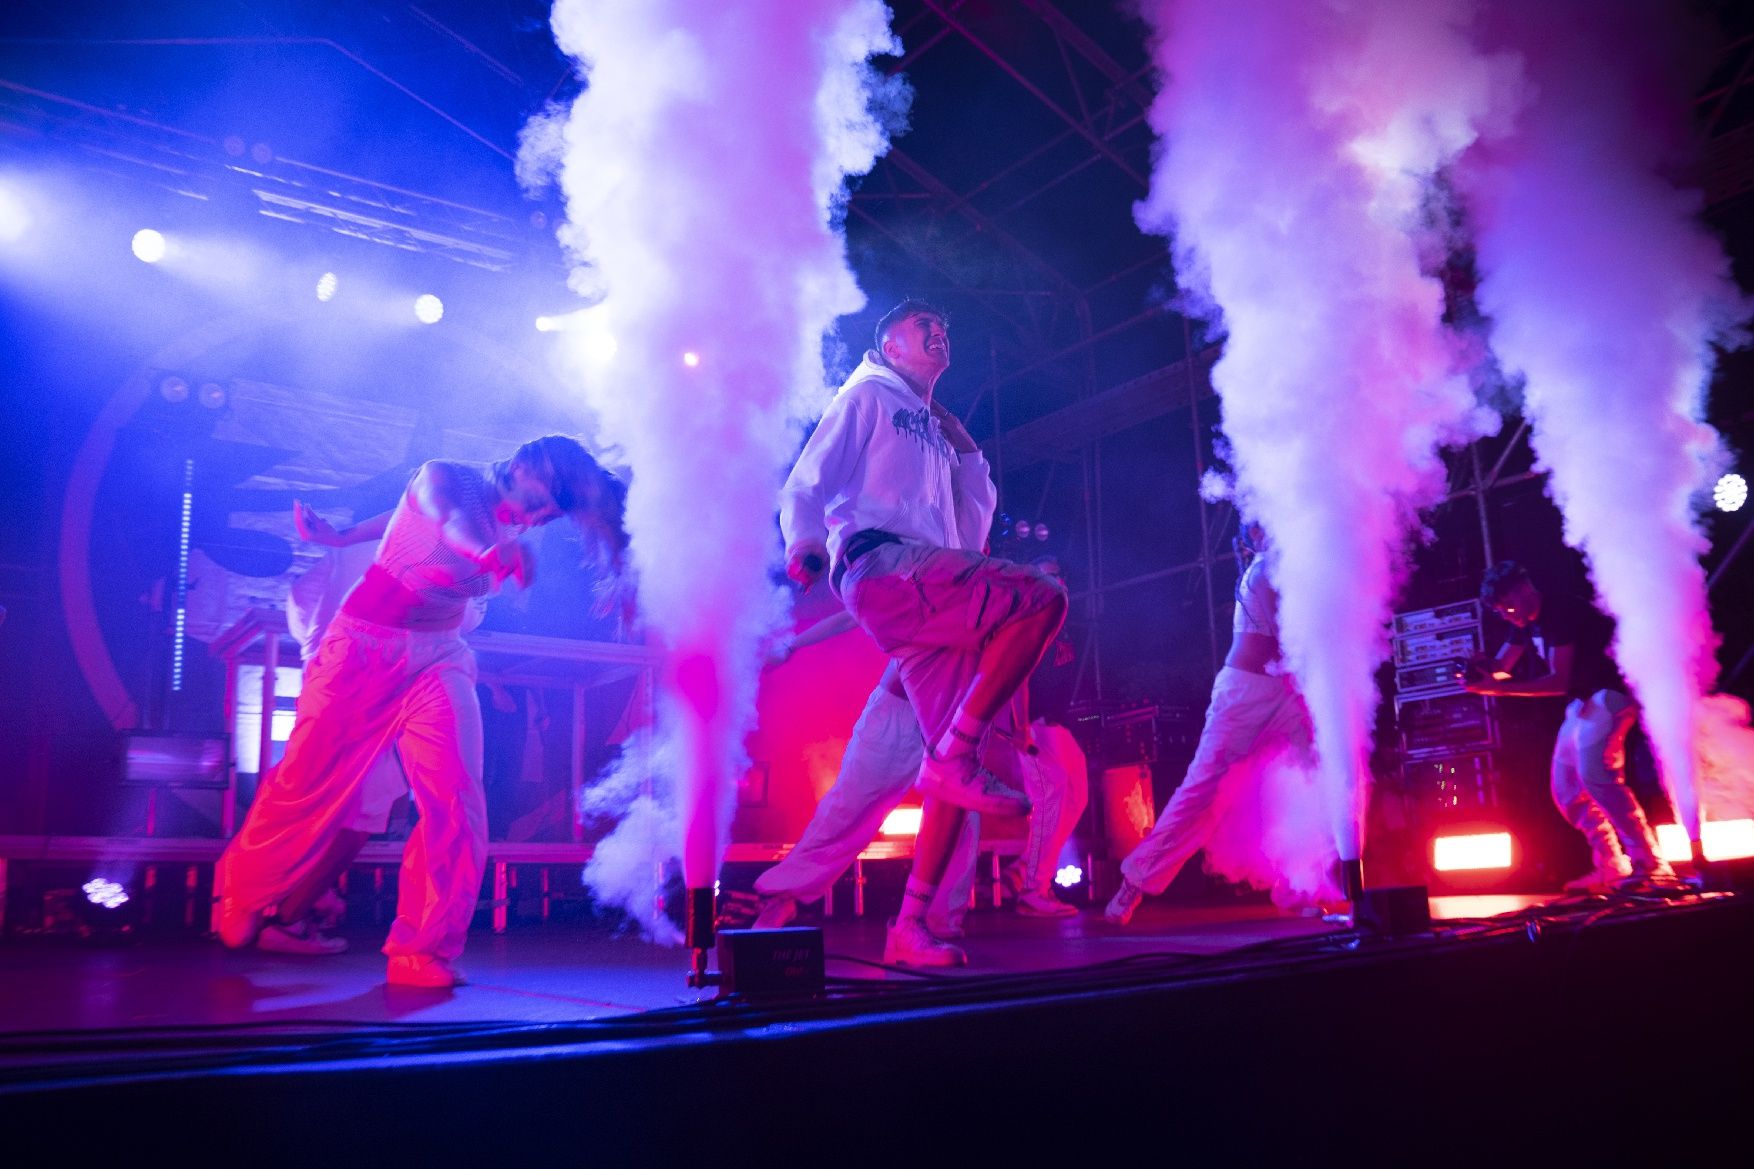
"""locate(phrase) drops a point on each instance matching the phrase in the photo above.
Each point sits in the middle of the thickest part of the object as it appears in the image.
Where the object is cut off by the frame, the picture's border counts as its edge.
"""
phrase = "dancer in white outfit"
(882, 759)
(894, 493)
(1254, 707)
(393, 670)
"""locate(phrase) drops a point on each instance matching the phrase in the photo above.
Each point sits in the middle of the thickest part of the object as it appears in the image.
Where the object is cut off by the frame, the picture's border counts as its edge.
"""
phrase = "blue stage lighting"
(14, 215)
(148, 246)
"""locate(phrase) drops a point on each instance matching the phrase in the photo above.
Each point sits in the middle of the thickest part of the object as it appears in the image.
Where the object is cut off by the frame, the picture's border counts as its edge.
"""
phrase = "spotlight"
(546, 325)
(1041, 531)
(327, 284)
(174, 389)
(148, 246)
(691, 359)
(1024, 529)
(104, 893)
(1730, 492)
(1068, 876)
(428, 309)
(212, 395)
(14, 215)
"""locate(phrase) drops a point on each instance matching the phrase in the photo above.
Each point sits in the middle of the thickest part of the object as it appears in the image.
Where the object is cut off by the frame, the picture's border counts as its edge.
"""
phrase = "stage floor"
(1240, 1035)
(559, 972)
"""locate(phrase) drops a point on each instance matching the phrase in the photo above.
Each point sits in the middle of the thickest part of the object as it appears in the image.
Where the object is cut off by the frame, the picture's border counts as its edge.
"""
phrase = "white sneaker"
(961, 781)
(298, 938)
(422, 970)
(776, 913)
(1040, 903)
(947, 929)
(910, 943)
(1593, 883)
(1653, 876)
(1121, 906)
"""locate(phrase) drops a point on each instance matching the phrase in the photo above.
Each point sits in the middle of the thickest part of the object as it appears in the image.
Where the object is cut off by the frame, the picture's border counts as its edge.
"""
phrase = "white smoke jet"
(1605, 293)
(1295, 141)
(703, 169)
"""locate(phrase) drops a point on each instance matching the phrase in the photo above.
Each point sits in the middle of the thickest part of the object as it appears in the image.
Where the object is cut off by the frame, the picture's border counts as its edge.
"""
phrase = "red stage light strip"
(1724, 840)
(1474, 852)
(901, 822)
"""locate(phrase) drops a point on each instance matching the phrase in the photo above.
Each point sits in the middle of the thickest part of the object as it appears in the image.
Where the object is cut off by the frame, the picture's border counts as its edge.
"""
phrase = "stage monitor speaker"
(1393, 910)
(757, 963)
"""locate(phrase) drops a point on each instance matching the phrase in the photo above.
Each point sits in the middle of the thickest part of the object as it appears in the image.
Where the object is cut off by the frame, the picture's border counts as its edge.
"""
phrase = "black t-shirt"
(1572, 620)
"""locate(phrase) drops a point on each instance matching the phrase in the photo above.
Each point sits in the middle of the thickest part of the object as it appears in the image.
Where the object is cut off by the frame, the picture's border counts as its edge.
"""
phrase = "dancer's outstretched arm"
(314, 529)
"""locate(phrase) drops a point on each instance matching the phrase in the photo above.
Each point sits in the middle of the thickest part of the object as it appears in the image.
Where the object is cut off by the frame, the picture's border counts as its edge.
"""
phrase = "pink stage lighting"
(901, 822)
(1475, 852)
(1723, 840)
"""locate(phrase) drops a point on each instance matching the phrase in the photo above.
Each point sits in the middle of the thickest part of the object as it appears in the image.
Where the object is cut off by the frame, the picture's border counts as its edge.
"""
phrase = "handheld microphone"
(814, 564)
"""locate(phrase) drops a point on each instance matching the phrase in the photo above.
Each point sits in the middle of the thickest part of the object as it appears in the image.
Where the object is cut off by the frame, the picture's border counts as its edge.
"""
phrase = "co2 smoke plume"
(703, 168)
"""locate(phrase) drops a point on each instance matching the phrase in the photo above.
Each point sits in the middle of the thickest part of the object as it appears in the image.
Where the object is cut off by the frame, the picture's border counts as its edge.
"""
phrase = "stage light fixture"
(1068, 876)
(1041, 531)
(105, 893)
(901, 822)
(1474, 852)
(428, 309)
(213, 395)
(1723, 840)
(173, 389)
(691, 359)
(545, 325)
(1730, 492)
(14, 215)
(327, 285)
(148, 246)
(1025, 529)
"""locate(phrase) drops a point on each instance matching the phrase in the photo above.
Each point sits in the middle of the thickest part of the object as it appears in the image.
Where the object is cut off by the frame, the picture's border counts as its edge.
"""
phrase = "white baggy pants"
(1247, 710)
(1589, 782)
(882, 760)
(1058, 787)
(370, 688)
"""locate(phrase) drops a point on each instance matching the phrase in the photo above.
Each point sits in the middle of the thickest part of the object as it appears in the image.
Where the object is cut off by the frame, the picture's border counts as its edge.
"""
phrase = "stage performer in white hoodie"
(892, 498)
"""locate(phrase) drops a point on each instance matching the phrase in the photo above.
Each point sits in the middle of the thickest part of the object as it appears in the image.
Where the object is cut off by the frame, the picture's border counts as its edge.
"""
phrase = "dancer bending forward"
(393, 671)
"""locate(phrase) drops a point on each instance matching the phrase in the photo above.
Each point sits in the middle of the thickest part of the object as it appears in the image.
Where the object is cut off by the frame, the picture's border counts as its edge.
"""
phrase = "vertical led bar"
(182, 617)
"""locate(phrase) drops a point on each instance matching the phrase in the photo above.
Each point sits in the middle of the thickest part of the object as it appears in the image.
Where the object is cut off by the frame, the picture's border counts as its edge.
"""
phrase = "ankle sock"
(962, 738)
(916, 899)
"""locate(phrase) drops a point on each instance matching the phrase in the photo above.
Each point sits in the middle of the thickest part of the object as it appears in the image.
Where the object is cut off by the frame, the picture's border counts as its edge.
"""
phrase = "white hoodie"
(879, 460)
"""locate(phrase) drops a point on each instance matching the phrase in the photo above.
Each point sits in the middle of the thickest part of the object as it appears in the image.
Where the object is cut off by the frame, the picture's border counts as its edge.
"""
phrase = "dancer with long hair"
(393, 671)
